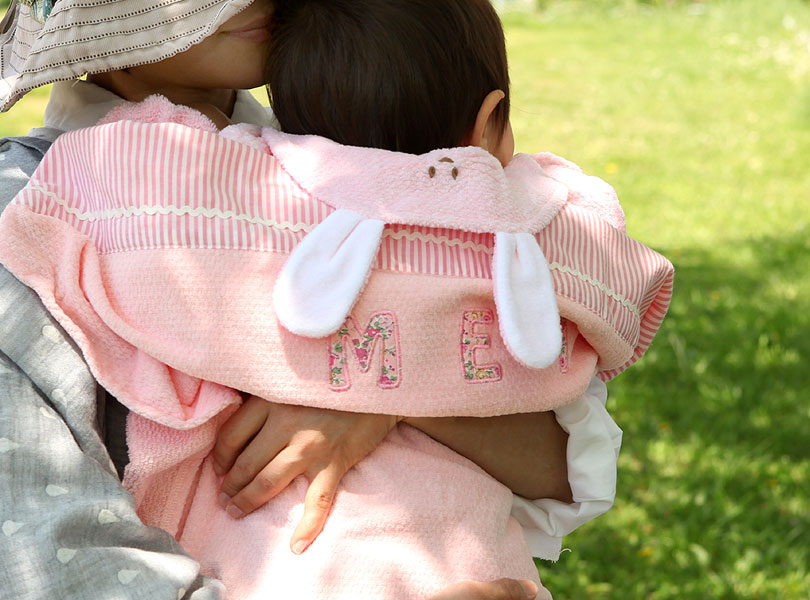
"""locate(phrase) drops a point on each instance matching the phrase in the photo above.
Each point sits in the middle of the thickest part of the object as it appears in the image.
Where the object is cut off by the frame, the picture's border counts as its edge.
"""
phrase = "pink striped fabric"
(133, 200)
(615, 277)
(135, 186)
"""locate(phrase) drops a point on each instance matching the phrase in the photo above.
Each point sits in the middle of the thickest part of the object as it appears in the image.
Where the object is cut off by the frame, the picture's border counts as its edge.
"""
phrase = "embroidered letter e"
(471, 341)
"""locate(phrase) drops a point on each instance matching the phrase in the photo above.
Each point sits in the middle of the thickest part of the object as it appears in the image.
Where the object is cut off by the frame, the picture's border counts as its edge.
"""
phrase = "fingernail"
(300, 546)
(223, 499)
(234, 512)
(530, 588)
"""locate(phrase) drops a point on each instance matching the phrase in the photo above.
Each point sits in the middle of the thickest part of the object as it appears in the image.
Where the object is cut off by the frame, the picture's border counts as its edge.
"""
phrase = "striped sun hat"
(43, 41)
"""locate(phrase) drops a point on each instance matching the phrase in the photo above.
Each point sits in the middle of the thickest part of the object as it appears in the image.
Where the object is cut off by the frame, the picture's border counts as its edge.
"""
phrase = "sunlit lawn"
(699, 115)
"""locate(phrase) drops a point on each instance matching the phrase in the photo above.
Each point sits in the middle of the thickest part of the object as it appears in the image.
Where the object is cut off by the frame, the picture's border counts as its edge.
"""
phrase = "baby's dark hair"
(402, 75)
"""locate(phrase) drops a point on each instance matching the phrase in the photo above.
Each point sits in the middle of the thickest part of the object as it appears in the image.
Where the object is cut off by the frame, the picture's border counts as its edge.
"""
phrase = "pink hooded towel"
(187, 265)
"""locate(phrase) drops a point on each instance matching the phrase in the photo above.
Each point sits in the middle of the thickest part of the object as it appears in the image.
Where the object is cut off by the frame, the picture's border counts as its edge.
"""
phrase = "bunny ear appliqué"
(524, 296)
(323, 277)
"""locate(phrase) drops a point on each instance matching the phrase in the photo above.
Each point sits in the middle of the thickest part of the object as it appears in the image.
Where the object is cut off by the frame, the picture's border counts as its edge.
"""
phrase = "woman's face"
(231, 58)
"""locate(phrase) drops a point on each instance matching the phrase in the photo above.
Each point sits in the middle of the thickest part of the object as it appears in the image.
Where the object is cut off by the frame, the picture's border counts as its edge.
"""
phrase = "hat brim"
(82, 37)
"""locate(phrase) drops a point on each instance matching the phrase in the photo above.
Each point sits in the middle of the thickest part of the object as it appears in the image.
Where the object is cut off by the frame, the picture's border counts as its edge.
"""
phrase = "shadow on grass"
(732, 361)
(712, 499)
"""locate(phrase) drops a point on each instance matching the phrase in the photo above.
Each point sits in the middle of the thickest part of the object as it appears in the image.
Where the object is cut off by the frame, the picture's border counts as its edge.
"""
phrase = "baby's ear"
(485, 133)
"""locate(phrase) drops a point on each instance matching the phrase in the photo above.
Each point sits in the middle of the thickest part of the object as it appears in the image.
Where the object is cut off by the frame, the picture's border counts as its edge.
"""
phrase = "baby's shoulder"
(585, 191)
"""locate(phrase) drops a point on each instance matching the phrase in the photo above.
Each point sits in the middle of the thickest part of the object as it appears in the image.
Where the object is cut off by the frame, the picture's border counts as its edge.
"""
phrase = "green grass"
(699, 115)
(25, 114)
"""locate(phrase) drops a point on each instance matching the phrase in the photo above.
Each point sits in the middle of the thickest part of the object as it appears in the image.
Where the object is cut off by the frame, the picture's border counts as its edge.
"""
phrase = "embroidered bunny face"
(433, 170)
(431, 190)
(502, 148)
(461, 188)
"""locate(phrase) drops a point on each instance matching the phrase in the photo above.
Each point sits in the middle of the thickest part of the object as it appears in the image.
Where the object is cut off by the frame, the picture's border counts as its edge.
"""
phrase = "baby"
(383, 253)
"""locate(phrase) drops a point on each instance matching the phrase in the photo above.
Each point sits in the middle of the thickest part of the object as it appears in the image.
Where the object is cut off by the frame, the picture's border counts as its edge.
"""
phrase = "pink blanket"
(156, 246)
(408, 520)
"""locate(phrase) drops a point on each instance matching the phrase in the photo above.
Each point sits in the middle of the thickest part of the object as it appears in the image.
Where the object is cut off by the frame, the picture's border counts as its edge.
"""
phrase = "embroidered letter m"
(380, 330)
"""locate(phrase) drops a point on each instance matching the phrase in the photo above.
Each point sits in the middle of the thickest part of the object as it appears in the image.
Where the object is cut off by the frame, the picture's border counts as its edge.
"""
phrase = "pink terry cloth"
(156, 246)
(410, 519)
(586, 191)
(157, 109)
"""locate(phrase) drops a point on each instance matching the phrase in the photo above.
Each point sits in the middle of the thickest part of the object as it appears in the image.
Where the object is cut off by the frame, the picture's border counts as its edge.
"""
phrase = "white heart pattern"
(11, 527)
(51, 333)
(48, 413)
(55, 490)
(126, 576)
(107, 516)
(65, 555)
(180, 593)
(6, 445)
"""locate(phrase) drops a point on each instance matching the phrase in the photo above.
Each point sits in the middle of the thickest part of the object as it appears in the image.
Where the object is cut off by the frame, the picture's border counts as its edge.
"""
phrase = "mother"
(69, 529)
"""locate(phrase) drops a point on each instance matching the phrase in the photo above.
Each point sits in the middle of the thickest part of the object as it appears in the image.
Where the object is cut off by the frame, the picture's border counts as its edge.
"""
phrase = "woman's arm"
(564, 462)
(264, 446)
(502, 589)
(67, 526)
(525, 452)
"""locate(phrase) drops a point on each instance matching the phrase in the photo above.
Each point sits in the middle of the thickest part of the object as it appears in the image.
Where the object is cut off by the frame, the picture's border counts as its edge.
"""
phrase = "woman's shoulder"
(23, 152)
(19, 157)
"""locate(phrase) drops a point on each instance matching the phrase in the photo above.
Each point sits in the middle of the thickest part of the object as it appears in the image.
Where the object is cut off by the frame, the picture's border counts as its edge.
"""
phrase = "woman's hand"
(503, 589)
(264, 446)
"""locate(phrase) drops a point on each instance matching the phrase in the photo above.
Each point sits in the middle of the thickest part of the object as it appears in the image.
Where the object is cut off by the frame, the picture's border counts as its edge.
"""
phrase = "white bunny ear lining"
(524, 297)
(325, 274)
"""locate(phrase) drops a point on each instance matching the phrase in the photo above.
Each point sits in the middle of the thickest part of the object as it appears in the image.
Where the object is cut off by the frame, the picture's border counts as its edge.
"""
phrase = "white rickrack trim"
(597, 284)
(296, 227)
(437, 239)
(115, 213)
(210, 213)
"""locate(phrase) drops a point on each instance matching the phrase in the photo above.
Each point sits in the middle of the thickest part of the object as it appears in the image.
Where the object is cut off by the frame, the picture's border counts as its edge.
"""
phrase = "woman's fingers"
(317, 504)
(502, 589)
(237, 432)
(266, 483)
(258, 463)
(292, 440)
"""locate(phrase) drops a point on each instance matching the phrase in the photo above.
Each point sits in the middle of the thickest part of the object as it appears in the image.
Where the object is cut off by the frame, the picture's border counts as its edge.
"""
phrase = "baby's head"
(403, 75)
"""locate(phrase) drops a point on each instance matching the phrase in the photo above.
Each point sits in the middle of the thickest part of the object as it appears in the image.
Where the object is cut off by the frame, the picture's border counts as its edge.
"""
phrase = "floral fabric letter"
(472, 341)
(382, 327)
